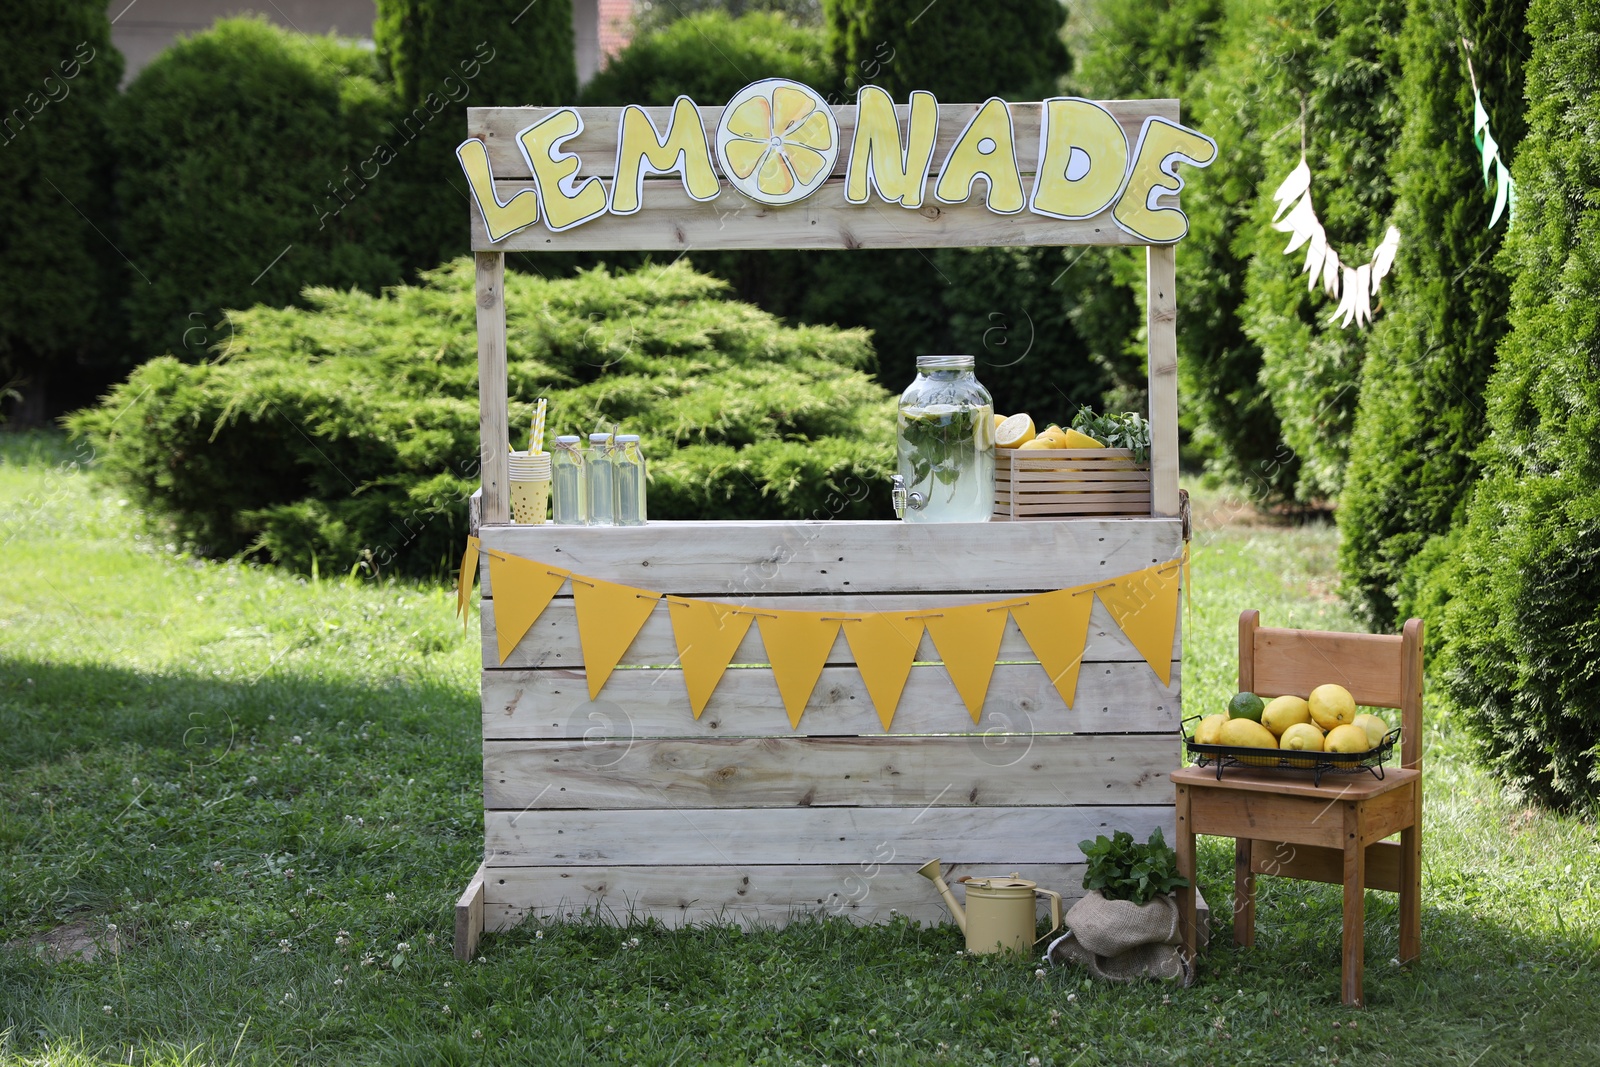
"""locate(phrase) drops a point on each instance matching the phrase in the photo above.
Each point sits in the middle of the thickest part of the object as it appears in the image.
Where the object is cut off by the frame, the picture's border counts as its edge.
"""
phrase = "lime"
(1246, 706)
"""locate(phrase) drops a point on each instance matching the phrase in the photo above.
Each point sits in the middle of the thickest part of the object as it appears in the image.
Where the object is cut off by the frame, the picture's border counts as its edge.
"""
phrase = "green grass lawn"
(270, 786)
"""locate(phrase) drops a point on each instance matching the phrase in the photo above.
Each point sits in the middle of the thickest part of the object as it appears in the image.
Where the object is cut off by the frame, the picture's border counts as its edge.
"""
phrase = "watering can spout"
(933, 873)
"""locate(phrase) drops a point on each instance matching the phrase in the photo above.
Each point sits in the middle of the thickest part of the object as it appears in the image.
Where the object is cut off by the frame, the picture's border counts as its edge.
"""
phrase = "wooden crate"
(1056, 483)
(630, 806)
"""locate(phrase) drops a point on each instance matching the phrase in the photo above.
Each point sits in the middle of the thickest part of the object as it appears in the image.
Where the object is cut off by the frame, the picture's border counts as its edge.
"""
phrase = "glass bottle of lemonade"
(945, 443)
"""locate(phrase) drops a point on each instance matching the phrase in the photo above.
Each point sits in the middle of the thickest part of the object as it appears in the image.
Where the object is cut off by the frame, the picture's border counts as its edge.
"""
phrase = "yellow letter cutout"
(1162, 146)
(985, 148)
(565, 203)
(1083, 160)
(683, 148)
(500, 220)
(895, 171)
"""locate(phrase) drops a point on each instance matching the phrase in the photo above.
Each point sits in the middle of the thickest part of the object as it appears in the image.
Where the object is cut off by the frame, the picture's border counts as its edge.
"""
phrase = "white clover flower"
(477, 1035)
(389, 898)
(1038, 972)
(295, 740)
(403, 946)
(446, 1009)
(538, 935)
(106, 1008)
(284, 945)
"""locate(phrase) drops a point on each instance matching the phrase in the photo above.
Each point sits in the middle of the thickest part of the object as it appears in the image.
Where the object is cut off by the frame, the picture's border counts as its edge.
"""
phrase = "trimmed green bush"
(444, 57)
(710, 56)
(59, 277)
(1522, 633)
(347, 435)
(239, 152)
(1421, 410)
(959, 52)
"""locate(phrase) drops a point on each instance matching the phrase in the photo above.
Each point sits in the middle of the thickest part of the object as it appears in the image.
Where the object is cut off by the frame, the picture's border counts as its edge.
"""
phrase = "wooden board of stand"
(621, 790)
(630, 806)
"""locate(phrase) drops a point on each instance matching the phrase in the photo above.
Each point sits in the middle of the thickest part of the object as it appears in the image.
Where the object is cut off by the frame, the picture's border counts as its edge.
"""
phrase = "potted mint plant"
(1126, 925)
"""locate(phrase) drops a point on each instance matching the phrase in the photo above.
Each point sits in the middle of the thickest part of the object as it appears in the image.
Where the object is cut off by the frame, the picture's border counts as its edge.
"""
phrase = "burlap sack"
(1120, 941)
(1161, 962)
(1112, 927)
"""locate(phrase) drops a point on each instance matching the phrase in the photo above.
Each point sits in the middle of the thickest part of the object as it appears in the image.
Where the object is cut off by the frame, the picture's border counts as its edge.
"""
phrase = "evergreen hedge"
(59, 277)
(238, 154)
(1521, 654)
(1341, 62)
(347, 435)
(1421, 414)
(444, 57)
(710, 56)
(1207, 54)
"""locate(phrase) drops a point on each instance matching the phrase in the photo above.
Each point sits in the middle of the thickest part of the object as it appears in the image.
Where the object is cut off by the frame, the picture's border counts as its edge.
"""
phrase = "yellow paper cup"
(530, 487)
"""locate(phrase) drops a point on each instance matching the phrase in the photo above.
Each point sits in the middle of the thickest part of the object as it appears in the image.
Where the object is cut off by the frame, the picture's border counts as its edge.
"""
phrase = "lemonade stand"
(749, 721)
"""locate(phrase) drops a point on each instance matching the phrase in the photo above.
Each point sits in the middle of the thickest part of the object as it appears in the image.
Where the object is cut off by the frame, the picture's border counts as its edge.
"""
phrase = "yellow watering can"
(1000, 913)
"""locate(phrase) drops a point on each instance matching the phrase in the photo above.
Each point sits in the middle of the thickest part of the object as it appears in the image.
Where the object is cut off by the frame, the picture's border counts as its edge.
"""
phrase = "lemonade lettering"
(778, 142)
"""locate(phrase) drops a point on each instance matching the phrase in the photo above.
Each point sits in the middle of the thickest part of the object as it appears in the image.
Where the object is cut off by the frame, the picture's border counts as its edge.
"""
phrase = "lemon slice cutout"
(744, 156)
(805, 163)
(751, 119)
(813, 132)
(789, 106)
(775, 178)
(778, 141)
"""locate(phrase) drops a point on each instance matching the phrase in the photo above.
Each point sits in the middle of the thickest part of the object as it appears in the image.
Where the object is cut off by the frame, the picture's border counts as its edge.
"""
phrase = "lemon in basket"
(1284, 712)
(1331, 705)
(1014, 432)
(1375, 727)
(1347, 738)
(1209, 731)
(1247, 733)
(1301, 737)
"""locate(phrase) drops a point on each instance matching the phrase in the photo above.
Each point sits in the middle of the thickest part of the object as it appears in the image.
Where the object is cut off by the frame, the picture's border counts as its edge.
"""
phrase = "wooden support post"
(1184, 846)
(1355, 882)
(493, 431)
(469, 918)
(1162, 337)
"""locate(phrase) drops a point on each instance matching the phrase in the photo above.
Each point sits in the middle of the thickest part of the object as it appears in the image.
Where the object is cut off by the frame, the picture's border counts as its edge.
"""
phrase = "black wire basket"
(1319, 763)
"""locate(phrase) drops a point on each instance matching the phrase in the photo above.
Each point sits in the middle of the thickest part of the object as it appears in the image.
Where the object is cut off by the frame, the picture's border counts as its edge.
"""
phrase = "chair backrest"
(1380, 670)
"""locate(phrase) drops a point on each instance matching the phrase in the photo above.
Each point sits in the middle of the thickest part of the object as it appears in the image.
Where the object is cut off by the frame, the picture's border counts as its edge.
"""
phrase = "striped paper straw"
(536, 442)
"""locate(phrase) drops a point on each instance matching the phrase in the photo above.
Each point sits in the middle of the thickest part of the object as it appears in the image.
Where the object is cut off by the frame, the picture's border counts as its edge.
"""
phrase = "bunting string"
(1505, 190)
(1353, 287)
(798, 644)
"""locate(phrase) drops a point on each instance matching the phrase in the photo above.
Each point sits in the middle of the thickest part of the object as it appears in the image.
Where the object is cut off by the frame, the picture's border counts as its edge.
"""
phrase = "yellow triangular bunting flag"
(797, 643)
(464, 580)
(884, 645)
(610, 616)
(1144, 605)
(968, 640)
(707, 634)
(1056, 626)
(522, 590)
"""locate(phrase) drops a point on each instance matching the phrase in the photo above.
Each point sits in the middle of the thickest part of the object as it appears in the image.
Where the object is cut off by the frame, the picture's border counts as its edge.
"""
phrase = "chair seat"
(1297, 783)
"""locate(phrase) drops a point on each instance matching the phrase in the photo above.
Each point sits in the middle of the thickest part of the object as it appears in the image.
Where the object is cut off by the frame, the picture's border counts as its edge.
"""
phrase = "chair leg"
(1411, 884)
(1355, 881)
(1244, 894)
(1188, 920)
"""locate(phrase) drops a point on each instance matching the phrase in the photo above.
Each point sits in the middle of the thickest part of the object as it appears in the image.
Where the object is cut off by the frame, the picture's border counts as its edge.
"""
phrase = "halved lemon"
(777, 141)
(1014, 432)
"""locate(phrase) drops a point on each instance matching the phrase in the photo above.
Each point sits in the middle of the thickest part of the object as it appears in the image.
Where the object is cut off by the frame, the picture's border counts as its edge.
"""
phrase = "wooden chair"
(1285, 825)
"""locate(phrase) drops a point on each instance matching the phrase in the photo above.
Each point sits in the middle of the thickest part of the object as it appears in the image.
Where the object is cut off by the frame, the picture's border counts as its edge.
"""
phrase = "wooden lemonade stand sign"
(756, 805)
